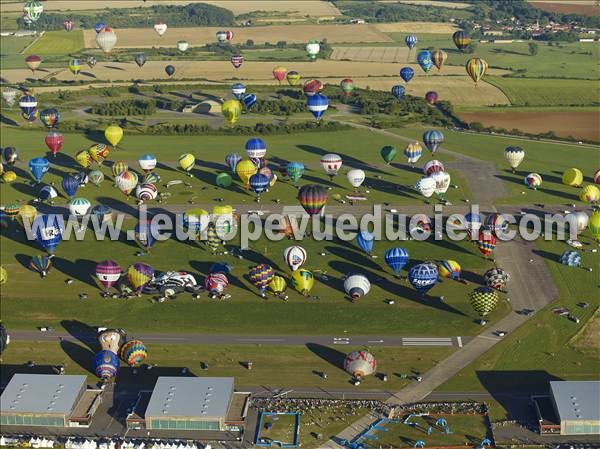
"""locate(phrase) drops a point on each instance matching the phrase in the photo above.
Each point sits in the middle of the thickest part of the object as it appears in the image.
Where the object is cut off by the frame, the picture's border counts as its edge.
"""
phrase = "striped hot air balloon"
(449, 269)
(313, 198)
(476, 69)
(108, 273)
(261, 276)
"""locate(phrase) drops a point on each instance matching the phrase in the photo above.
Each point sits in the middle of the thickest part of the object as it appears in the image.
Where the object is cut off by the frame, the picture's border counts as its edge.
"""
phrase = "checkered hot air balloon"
(570, 258)
(496, 278)
(483, 300)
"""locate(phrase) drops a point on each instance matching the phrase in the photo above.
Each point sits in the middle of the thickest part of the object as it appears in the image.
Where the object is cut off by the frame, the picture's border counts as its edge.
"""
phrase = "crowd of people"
(446, 408)
(308, 405)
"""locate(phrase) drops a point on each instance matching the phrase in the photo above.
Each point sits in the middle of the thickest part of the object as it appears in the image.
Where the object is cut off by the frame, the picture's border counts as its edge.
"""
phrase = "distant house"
(358, 21)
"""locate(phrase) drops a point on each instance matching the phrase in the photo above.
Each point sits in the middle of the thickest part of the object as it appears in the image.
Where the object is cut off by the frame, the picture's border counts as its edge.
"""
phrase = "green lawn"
(10, 51)
(547, 92)
(57, 43)
(282, 428)
(550, 160)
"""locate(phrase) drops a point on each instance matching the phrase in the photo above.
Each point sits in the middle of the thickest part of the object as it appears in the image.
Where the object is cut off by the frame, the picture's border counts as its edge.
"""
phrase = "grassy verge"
(57, 43)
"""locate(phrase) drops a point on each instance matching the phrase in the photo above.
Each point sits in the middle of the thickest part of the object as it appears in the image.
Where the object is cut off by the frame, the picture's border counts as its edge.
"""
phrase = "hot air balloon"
(187, 162)
(12, 210)
(119, 167)
(231, 109)
(182, 45)
(426, 186)
(160, 28)
(195, 220)
(261, 276)
(91, 62)
(27, 214)
(312, 48)
(347, 86)
(432, 139)
(423, 277)
(360, 364)
(249, 100)
(486, 242)
(133, 353)
(496, 278)
(293, 78)
(413, 152)
(106, 364)
(216, 283)
(294, 257)
(256, 148)
(388, 153)
(238, 90)
(32, 10)
(68, 25)
(140, 59)
(258, 183)
(212, 241)
(317, 105)
(108, 273)
(449, 269)
(442, 182)
(106, 40)
(38, 167)
(126, 181)
(279, 73)
(396, 258)
(111, 340)
(113, 134)
(78, 207)
(472, 224)
(331, 163)
(278, 286)
(223, 180)
(232, 159)
(41, 264)
(572, 177)
(147, 162)
(33, 62)
(75, 66)
(433, 166)
(146, 233)
(244, 170)
(170, 70)
(303, 281)
(50, 117)
(365, 241)
(431, 97)
(99, 27)
(146, 191)
(295, 170)
(356, 177)
(10, 96)
(595, 225)
(590, 194)
(47, 193)
(398, 91)
(237, 61)
(514, 156)
(438, 57)
(410, 41)
(70, 184)
(461, 39)
(533, 180)
(424, 61)
(312, 87)
(476, 68)
(28, 104)
(313, 198)
(357, 286)
(581, 221)
(10, 156)
(139, 275)
(224, 36)
(54, 141)
(9, 176)
(497, 224)
(407, 73)
(483, 300)
(48, 231)
(597, 177)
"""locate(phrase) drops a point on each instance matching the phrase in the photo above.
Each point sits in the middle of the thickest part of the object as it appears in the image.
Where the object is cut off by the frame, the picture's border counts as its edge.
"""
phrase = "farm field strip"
(375, 54)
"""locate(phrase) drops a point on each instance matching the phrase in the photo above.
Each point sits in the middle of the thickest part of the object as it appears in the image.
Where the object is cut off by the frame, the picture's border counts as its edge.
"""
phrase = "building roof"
(576, 400)
(190, 397)
(41, 393)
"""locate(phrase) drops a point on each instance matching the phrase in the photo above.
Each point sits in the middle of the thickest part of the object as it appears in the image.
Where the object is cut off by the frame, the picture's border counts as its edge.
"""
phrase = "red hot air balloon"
(486, 242)
(68, 25)
(108, 273)
(313, 198)
(431, 97)
(312, 87)
(54, 141)
(237, 61)
(33, 62)
(279, 73)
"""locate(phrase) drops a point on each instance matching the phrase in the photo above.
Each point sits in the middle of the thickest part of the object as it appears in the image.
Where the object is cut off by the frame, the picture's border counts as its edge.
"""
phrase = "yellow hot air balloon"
(83, 158)
(9, 176)
(590, 194)
(113, 134)
(187, 162)
(476, 68)
(594, 225)
(572, 177)
(232, 109)
(3, 275)
(222, 210)
(303, 281)
(244, 170)
(223, 219)
(278, 285)
(27, 213)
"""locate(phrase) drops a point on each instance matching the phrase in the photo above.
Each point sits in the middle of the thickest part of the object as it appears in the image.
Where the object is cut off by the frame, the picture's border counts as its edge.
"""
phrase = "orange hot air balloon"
(279, 73)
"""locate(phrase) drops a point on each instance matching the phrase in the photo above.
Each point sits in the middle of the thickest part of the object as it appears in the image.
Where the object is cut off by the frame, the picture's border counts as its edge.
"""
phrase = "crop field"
(57, 42)
(371, 54)
(416, 27)
(584, 7)
(10, 51)
(579, 124)
(147, 38)
(452, 5)
(303, 8)
(547, 92)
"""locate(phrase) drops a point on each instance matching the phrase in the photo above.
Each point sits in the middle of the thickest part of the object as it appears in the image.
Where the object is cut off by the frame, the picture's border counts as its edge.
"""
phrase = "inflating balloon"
(572, 177)
(187, 162)
(139, 275)
(590, 194)
(449, 269)
(302, 281)
(41, 264)
(533, 180)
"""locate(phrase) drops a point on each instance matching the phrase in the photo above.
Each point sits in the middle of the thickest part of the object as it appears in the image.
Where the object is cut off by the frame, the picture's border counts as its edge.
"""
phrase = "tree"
(249, 43)
(533, 48)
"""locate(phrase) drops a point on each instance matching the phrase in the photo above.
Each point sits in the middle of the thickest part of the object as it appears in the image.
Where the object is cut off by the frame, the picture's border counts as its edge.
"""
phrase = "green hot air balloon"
(483, 300)
(388, 153)
(224, 180)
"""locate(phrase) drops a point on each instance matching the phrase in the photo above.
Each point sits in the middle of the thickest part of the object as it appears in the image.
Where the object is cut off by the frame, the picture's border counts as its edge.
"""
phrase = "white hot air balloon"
(78, 207)
(160, 28)
(10, 96)
(294, 257)
(360, 364)
(426, 186)
(106, 40)
(111, 340)
(356, 177)
(514, 156)
(331, 163)
(357, 286)
(442, 182)
(147, 162)
(433, 166)
(582, 220)
(182, 45)
(146, 192)
(313, 48)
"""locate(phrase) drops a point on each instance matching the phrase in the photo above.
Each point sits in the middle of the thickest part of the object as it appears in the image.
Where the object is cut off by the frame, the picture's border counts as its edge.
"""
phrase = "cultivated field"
(584, 7)
(57, 42)
(147, 38)
(374, 54)
(581, 125)
(416, 27)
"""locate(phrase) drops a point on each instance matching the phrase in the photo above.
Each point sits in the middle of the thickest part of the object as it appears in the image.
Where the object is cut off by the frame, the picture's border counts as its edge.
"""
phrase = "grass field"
(283, 428)
(550, 160)
(547, 92)
(57, 43)
(416, 27)
(371, 54)
(10, 51)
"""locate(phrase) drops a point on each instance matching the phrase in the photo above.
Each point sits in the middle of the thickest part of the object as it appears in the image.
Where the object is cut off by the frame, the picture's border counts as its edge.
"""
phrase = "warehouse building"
(48, 400)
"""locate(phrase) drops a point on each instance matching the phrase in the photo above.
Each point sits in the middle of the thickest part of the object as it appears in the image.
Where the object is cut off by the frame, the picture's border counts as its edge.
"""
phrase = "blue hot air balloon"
(238, 90)
(407, 73)
(106, 364)
(99, 27)
(423, 277)
(570, 258)
(317, 104)
(28, 104)
(432, 139)
(145, 233)
(232, 160)
(220, 267)
(424, 60)
(396, 258)
(398, 91)
(48, 231)
(365, 241)
(38, 167)
(70, 184)
(411, 41)
(256, 148)
(47, 193)
(259, 183)
(249, 100)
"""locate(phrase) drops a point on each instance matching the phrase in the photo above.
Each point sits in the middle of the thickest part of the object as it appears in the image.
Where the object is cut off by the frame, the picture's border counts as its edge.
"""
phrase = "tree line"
(125, 107)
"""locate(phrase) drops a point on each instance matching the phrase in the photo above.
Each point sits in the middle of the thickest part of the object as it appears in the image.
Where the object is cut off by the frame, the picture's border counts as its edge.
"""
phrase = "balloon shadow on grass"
(254, 257)
(82, 332)
(348, 161)
(360, 259)
(7, 121)
(63, 160)
(330, 355)
(80, 269)
(79, 354)
(119, 206)
(542, 189)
